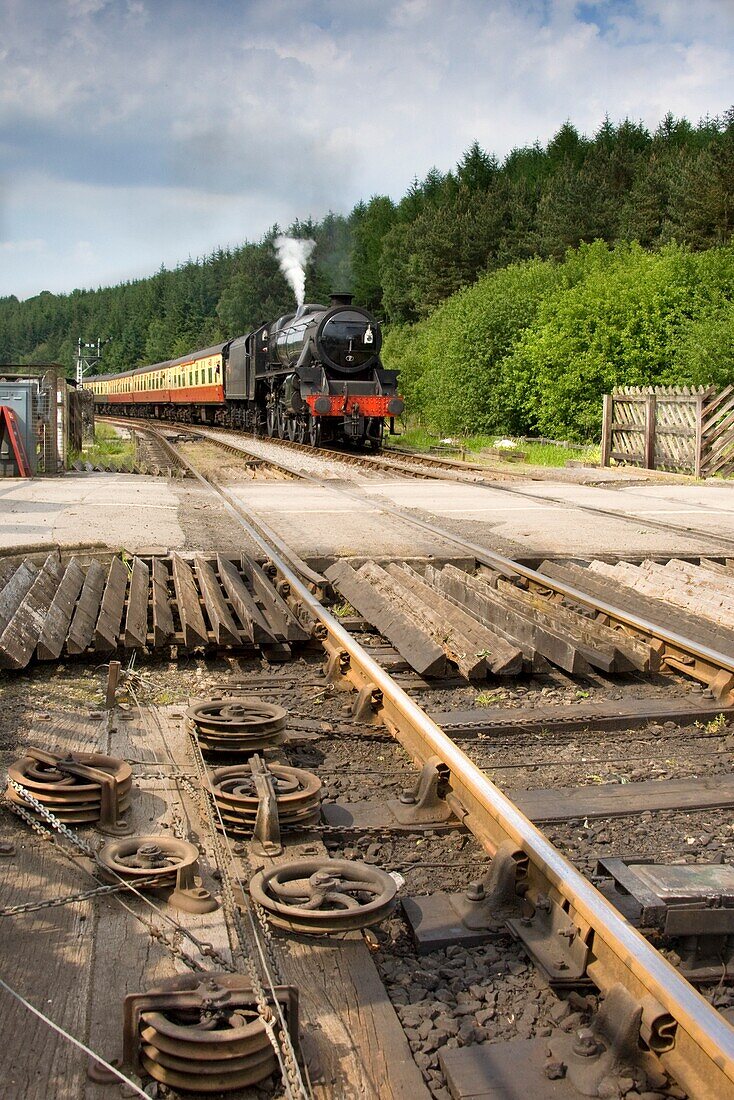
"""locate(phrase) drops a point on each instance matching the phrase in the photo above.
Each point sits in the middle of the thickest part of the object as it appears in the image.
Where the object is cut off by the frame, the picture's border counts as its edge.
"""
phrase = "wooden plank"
(53, 634)
(650, 403)
(14, 591)
(163, 627)
(8, 566)
(503, 658)
(223, 625)
(600, 642)
(460, 650)
(110, 613)
(480, 599)
(19, 638)
(47, 956)
(698, 452)
(596, 651)
(417, 647)
(85, 615)
(351, 1031)
(136, 617)
(606, 431)
(189, 608)
(253, 621)
(277, 611)
(637, 603)
(622, 799)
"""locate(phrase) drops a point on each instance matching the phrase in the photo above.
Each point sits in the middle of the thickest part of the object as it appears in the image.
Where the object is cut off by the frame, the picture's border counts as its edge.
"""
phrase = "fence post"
(650, 410)
(606, 428)
(698, 451)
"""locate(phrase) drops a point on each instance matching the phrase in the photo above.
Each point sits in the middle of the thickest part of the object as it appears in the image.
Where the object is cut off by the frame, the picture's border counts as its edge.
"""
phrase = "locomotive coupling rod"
(701, 1054)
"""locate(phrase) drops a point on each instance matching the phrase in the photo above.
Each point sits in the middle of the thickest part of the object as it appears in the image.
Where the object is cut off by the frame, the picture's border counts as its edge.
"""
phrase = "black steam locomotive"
(314, 375)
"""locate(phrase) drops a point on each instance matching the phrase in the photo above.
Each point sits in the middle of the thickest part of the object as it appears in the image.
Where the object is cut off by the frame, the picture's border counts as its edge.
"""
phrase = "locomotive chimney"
(341, 300)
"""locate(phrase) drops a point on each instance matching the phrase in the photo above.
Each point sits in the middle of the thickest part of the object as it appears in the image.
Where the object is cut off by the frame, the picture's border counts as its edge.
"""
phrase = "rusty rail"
(693, 1041)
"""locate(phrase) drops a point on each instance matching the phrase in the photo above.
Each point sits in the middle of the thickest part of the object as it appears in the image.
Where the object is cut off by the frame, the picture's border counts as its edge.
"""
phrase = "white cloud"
(17, 248)
(203, 124)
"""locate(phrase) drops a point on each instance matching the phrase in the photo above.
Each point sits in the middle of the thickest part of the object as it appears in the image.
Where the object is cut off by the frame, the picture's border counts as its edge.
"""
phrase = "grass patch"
(536, 454)
(108, 446)
(344, 610)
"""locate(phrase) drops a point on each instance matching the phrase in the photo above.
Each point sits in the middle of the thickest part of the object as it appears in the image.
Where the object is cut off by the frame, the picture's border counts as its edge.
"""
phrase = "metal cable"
(72, 1039)
(205, 949)
(282, 1044)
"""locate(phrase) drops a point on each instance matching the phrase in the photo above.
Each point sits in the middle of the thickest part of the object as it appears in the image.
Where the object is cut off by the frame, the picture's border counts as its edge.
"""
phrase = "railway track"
(427, 466)
(634, 1025)
(704, 653)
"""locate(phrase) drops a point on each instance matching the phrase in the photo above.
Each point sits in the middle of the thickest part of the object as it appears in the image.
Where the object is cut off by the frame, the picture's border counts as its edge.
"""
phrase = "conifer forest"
(515, 292)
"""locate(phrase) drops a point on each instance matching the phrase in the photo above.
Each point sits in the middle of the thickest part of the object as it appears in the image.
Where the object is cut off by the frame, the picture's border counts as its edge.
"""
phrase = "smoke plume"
(293, 255)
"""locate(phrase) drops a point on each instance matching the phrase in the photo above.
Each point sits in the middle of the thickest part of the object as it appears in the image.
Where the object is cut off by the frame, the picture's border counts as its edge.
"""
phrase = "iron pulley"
(173, 863)
(237, 725)
(237, 793)
(204, 1035)
(319, 896)
(80, 788)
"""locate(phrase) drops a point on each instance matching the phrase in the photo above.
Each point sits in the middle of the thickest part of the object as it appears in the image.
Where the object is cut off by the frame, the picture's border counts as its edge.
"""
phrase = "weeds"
(536, 454)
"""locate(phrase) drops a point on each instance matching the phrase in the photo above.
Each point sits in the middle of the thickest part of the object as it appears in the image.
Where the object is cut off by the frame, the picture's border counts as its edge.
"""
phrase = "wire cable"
(72, 1039)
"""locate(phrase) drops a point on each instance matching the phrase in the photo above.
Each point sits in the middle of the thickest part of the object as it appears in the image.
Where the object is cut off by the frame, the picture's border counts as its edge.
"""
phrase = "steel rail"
(702, 1055)
(691, 1039)
(707, 657)
(236, 509)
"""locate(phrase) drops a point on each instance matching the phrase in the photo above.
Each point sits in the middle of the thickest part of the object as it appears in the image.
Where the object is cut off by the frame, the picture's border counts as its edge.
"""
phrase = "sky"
(136, 133)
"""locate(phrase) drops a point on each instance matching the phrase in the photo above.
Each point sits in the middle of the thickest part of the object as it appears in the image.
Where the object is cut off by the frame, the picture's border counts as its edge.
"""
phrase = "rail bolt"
(585, 1044)
(475, 891)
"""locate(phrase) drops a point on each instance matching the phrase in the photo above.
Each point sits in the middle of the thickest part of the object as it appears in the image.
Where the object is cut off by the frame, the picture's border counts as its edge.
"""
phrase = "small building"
(50, 414)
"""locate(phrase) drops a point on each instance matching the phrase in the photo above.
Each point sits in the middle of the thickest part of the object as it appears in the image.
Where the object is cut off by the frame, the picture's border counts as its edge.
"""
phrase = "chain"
(249, 943)
(205, 802)
(171, 942)
(77, 842)
(69, 899)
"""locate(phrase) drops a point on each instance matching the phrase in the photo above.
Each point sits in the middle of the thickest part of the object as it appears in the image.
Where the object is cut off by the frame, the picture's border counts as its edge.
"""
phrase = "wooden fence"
(678, 428)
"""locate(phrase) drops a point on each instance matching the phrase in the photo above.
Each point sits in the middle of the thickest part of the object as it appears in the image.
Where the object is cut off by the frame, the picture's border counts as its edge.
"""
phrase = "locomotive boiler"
(314, 375)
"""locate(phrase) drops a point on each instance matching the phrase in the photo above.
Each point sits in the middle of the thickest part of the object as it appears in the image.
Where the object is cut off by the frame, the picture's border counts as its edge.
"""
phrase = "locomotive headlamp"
(369, 336)
(395, 406)
(322, 404)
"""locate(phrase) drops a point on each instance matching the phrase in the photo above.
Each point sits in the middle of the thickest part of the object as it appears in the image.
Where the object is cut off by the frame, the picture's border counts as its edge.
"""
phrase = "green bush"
(531, 349)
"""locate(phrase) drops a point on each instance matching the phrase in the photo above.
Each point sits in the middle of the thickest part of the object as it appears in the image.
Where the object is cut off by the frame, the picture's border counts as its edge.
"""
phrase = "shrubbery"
(531, 348)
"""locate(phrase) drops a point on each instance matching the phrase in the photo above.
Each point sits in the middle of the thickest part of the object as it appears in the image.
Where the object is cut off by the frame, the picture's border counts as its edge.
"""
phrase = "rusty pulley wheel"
(297, 793)
(79, 788)
(203, 1033)
(172, 863)
(238, 725)
(324, 895)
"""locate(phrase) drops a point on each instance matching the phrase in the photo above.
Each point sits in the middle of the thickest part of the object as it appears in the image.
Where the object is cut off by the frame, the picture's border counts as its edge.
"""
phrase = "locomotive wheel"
(292, 428)
(301, 429)
(319, 896)
(270, 420)
(314, 431)
(280, 423)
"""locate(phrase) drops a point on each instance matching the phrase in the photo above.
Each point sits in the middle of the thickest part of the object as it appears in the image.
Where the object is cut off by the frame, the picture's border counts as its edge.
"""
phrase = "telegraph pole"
(88, 356)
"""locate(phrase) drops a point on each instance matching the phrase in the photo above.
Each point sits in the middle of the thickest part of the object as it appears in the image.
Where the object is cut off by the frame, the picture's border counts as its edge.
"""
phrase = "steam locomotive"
(314, 375)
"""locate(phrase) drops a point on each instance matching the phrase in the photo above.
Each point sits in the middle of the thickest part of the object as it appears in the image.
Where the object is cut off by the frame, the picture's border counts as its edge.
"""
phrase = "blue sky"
(141, 132)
